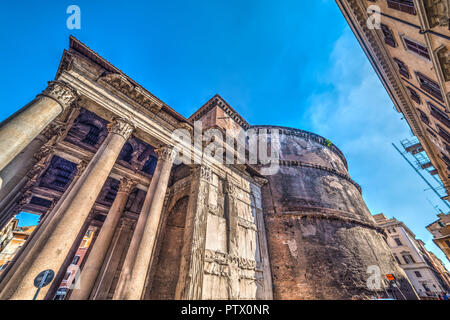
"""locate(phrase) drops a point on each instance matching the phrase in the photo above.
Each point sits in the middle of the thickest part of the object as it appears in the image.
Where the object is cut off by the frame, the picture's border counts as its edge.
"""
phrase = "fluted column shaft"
(75, 212)
(98, 252)
(21, 128)
(132, 279)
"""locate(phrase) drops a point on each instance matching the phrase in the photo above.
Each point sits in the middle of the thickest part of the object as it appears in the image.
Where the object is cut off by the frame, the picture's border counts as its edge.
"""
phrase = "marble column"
(98, 252)
(20, 129)
(32, 246)
(74, 211)
(106, 280)
(132, 279)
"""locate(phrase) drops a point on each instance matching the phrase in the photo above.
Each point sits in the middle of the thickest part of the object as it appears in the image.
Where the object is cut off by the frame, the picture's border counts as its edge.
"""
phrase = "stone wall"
(168, 267)
(321, 235)
(212, 244)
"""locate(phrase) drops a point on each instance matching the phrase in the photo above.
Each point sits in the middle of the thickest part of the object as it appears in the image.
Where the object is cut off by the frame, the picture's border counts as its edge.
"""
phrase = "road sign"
(43, 279)
(390, 277)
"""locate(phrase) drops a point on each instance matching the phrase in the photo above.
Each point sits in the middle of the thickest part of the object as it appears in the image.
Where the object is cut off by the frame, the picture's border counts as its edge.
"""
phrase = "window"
(414, 95)
(397, 259)
(446, 159)
(84, 244)
(402, 5)
(398, 242)
(447, 242)
(67, 276)
(429, 86)
(391, 230)
(408, 259)
(60, 294)
(447, 148)
(76, 259)
(402, 68)
(431, 133)
(388, 36)
(443, 133)
(424, 117)
(418, 275)
(417, 48)
(439, 115)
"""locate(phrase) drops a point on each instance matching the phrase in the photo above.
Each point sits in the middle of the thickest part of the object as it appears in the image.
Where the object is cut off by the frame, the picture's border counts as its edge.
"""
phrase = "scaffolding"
(415, 155)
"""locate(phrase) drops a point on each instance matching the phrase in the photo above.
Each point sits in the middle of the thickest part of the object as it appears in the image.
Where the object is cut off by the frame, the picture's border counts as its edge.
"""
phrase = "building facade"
(436, 264)
(6, 233)
(71, 278)
(440, 230)
(13, 240)
(412, 256)
(97, 149)
(409, 48)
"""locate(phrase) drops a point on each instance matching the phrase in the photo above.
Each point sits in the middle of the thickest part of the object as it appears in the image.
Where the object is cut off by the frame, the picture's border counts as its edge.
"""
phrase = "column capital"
(25, 198)
(166, 153)
(261, 181)
(121, 127)
(201, 171)
(126, 185)
(126, 222)
(61, 92)
(230, 188)
(44, 152)
(80, 167)
(56, 128)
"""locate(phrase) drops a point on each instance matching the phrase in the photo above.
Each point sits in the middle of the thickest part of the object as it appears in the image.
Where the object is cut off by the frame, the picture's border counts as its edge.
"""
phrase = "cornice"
(293, 163)
(119, 80)
(324, 214)
(135, 93)
(307, 135)
(218, 101)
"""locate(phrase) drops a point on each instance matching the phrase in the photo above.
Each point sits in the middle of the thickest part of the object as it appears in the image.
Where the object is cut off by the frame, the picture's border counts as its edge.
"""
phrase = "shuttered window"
(414, 95)
(417, 48)
(402, 5)
(429, 86)
(443, 133)
(388, 36)
(439, 114)
(402, 68)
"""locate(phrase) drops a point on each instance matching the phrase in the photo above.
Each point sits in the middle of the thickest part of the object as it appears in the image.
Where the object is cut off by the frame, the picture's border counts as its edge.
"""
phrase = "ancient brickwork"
(322, 238)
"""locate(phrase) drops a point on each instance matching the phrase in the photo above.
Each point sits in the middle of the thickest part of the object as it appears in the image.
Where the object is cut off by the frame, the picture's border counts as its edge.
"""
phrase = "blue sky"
(291, 63)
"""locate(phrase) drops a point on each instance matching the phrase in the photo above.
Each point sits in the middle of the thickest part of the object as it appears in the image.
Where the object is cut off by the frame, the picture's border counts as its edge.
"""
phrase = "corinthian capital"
(61, 92)
(121, 127)
(230, 188)
(165, 153)
(126, 185)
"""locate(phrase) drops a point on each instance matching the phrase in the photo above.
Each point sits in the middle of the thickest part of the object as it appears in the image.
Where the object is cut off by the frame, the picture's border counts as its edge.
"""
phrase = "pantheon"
(95, 150)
